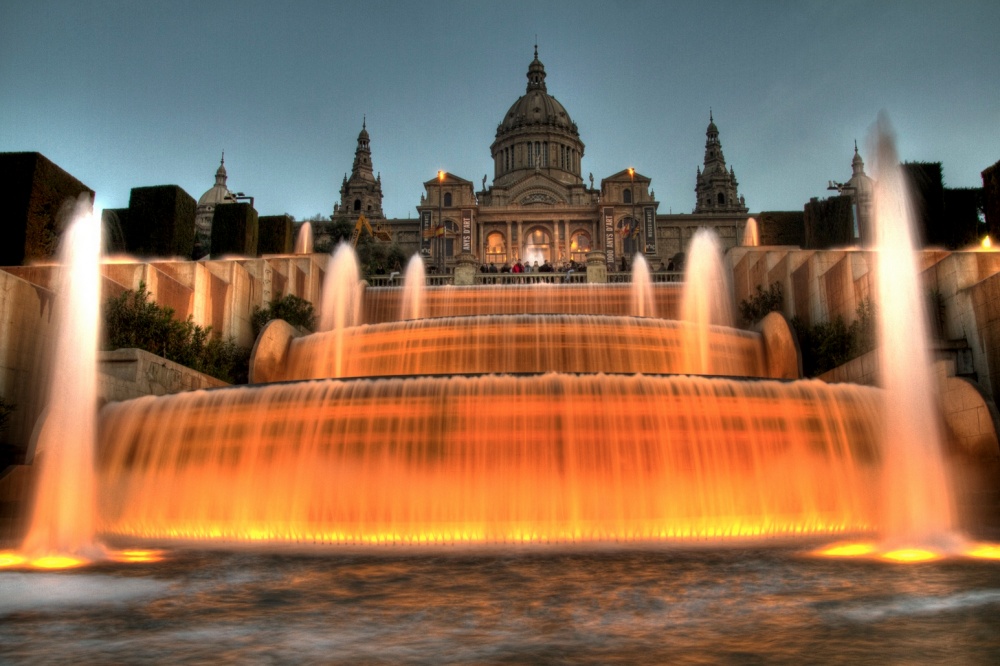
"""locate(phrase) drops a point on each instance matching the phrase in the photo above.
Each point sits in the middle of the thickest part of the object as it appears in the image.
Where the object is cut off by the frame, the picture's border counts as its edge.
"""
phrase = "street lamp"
(438, 232)
(631, 174)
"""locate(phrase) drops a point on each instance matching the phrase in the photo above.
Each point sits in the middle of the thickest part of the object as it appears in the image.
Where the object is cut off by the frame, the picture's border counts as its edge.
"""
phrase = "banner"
(467, 231)
(609, 235)
(425, 227)
(650, 222)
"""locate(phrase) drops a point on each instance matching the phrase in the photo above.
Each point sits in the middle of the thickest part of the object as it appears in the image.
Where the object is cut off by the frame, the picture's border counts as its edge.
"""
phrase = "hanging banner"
(609, 235)
(425, 228)
(467, 231)
(650, 222)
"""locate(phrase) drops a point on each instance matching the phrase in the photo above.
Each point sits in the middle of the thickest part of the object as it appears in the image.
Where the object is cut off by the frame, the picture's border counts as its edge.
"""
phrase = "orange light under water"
(987, 243)
(986, 551)
(847, 550)
(57, 562)
(910, 555)
(12, 560)
(136, 556)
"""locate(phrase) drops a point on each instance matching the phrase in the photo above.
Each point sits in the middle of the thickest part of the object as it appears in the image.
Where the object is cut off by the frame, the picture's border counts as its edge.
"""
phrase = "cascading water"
(642, 288)
(917, 506)
(493, 459)
(706, 300)
(751, 235)
(304, 239)
(62, 525)
(413, 289)
(341, 306)
(522, 343)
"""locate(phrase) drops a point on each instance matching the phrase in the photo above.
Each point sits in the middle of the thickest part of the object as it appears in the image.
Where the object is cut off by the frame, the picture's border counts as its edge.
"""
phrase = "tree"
(296, 311)
(132, 320)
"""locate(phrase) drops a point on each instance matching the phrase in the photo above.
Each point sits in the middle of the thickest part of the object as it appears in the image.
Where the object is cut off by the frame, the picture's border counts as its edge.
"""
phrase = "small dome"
(218, 193)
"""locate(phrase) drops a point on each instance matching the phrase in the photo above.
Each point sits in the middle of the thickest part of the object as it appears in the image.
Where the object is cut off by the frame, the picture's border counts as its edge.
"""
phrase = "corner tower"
(362, 192)
(716, 187)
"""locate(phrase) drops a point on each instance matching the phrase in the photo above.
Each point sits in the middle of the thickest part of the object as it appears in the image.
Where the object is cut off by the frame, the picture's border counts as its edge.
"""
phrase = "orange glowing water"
(61, 529)
(494, 459)
(483, 344)
(751, 235)
(917, 507)
(413, 289)
(706, 300)
(304, 239)
(384, 304)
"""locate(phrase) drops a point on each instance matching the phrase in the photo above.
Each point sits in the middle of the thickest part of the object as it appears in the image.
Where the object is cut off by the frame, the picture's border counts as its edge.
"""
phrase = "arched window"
(531, 160)
(627, 196)
(447, 199)
(357, 204)
(722, 199)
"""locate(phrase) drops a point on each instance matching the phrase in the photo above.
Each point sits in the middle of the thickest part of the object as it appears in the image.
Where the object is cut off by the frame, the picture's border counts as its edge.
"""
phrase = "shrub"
(132, 320)
(764, 301)
(826, 345)
(296, 311)
(6, 409)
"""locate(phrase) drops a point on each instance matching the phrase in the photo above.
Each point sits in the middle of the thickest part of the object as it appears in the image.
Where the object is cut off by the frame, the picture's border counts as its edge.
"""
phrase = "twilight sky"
(132, 93)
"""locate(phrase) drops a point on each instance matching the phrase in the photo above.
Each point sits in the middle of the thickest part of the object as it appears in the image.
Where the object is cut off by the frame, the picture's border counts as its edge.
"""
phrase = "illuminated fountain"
(62, 527)
(413, 289)
(706, 302)
(304, 239)
(642, 288)
(520, 414)
(489, 427)
(751, 235)
(341, 306)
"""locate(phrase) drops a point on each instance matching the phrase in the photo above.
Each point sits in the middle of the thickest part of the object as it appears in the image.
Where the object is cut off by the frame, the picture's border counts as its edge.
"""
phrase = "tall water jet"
(917, 505)
(341, 304)
(304, 239)
(61, 531)
(642, 288)
(751, 235)
(413, 289)
(706, 298)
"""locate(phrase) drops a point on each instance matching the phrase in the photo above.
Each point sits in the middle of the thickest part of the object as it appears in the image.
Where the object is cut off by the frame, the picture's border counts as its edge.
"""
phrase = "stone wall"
(964, 288)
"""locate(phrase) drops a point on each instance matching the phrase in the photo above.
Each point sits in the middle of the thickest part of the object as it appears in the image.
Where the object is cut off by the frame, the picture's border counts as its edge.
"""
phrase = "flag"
(440, 230)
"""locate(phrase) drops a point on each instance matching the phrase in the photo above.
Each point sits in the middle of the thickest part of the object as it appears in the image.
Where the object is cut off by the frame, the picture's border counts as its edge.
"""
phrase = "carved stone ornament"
(538, 198)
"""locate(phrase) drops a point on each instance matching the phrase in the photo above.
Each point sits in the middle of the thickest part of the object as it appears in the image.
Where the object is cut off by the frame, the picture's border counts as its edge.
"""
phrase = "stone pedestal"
(466, 266)
(597, 268)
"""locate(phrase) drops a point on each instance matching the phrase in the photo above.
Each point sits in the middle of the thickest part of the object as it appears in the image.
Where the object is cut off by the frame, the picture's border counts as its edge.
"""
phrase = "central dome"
(536, 106)
(535, 135)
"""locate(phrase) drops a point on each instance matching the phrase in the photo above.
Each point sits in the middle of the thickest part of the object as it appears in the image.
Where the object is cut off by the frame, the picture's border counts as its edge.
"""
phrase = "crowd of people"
(533, 267)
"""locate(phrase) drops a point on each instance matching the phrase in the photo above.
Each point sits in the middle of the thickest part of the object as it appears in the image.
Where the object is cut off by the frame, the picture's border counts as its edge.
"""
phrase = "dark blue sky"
(124, 94)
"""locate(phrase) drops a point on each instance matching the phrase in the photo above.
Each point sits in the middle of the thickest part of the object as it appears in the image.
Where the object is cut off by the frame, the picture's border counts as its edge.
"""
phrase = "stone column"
(555, 242)
(466, 266)
(597, 268)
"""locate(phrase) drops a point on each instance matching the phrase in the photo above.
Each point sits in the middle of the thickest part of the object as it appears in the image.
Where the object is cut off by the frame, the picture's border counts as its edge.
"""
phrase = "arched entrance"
(537, 246)
(496, 248)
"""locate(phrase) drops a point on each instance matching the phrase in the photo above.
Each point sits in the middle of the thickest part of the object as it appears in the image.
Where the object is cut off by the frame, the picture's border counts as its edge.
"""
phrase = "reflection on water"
(653, 606)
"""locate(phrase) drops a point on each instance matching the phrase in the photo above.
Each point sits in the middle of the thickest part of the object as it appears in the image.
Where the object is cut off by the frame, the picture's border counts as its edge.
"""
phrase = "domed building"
(538, 207)
(861, 189)
(218, 194)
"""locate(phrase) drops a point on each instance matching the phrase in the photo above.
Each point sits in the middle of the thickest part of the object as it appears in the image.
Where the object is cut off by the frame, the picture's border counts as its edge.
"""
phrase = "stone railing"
(572, 277)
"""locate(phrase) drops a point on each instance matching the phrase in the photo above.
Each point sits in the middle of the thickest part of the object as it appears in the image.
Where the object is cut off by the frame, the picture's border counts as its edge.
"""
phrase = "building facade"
(538, 207)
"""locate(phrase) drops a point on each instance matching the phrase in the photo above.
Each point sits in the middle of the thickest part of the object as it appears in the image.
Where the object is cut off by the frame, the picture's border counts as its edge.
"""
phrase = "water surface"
(680, 605)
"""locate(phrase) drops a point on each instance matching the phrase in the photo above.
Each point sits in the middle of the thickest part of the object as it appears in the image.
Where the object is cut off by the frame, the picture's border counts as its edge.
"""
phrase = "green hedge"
(132, 320)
